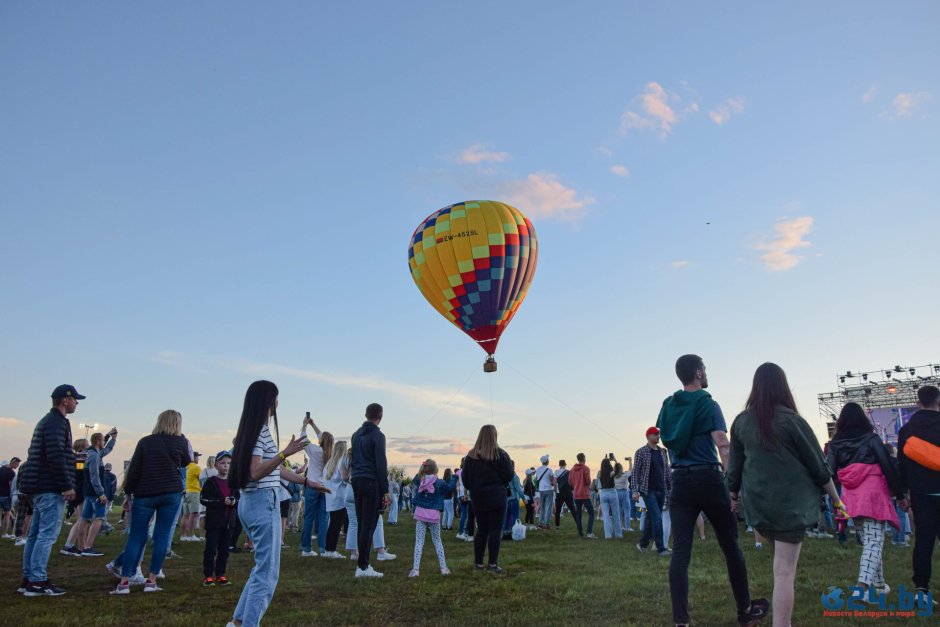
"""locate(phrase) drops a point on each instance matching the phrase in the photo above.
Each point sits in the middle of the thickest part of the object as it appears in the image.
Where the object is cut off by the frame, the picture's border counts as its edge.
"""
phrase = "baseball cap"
(652, 431)
(221, 454)
(197, 454)
(67, 391)
(529, 471)
(544, 459)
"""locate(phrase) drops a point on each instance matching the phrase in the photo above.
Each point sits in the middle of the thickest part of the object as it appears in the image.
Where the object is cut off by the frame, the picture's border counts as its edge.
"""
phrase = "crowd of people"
(771, 473)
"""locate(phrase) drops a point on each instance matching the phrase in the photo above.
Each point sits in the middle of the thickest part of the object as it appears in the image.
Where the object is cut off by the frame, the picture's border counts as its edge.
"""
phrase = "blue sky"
(196, 196)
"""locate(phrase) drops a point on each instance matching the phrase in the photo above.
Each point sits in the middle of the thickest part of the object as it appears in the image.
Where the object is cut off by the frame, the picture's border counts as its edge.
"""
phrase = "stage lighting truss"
(877, 389)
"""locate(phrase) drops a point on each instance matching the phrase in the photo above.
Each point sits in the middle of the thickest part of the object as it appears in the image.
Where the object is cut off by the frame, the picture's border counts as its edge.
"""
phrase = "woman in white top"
(257, 468)
(315, 510)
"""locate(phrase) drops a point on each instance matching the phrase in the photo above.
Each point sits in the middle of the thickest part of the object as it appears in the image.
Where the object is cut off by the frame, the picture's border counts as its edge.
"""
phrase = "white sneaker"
(413, 573)
(445, 571)
(468, 538)
(20, 542)
(460, 536)
(137, 580)
(310, 554)
(385, 556)
(369, 572)
(334, 555)
(354, 555)
(160, 575)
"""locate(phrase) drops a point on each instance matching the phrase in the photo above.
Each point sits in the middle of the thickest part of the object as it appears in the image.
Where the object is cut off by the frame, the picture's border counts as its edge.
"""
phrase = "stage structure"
(889, 396)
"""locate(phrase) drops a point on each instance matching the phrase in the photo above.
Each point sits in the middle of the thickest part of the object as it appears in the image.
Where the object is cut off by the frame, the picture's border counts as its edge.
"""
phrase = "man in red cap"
(652, 481)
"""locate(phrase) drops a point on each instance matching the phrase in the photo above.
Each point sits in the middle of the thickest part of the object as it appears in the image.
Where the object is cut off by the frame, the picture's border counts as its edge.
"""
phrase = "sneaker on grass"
(43, 588)
(413, 573)
(122, 588)
(222, 581)
(151, 586)
(208, 582)
(385, 556)
(92, 552)
(368, 572)
(755, 613)
(310, 553)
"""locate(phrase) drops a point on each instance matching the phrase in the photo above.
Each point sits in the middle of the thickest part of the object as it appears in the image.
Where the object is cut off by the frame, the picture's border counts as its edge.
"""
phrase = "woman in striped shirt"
(257, 470)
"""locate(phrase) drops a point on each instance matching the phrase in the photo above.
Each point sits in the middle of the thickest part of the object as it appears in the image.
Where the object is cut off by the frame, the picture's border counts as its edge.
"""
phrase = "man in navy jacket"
(49, 478)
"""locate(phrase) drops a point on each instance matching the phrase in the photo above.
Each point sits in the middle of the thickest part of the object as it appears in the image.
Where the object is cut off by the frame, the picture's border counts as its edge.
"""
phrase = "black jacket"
(368, 455)
(50, 463)
(864, 449)
(924, 424)
(218, 514)
(487, 480)
(155, 466)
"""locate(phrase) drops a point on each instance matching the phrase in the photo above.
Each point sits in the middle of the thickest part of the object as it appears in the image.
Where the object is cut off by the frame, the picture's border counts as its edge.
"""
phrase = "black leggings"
(489, 533)
(337, 520)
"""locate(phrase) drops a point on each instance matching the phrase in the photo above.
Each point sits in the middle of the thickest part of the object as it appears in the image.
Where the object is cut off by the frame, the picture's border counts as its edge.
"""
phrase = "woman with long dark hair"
(257, 470)
(487, 472)
(860, 460)
(778, 468)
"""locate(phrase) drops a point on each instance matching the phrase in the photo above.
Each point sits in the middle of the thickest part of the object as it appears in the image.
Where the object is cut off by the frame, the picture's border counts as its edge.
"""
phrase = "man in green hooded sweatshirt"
(691, 427)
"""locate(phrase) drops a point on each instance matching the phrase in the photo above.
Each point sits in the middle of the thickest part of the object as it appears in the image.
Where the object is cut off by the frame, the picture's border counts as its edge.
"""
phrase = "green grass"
(553, 578)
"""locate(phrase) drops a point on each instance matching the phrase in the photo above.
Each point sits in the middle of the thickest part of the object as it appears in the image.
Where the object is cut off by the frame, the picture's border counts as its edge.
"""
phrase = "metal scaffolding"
(877, 389)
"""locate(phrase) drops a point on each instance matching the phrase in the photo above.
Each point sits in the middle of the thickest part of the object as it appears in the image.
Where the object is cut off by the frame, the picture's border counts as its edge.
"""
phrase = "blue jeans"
(547, 499)
(260, 514)
(653, 524)
(623, 497)
(165, 507)
(314, 509)
(512, 513)
(447, 521)
(393, 511)
(462, 525)
(43, 532)
(610, 509)
(176, 520)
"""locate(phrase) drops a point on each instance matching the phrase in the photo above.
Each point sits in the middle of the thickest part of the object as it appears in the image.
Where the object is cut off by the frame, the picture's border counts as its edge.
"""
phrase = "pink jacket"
(865, 493)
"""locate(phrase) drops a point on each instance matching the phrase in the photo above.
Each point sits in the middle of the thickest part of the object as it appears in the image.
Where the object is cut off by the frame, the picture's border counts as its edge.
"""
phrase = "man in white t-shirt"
(545, 480)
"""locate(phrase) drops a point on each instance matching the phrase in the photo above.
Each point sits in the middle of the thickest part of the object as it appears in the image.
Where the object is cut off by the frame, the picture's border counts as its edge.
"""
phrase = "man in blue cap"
(48, 476)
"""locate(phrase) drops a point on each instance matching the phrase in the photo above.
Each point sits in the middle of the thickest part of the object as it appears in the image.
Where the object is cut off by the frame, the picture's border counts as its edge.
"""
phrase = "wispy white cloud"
(650, 110)
(607, 152)
(620, 170)
(678, 265)
(422, 446)
(904, 104)
(478, 153)
(527, 447)
(10, 422)
(779, 255)
(656, 109)
(542, 195)
(869, 94)
(723, 112)
(458, 403)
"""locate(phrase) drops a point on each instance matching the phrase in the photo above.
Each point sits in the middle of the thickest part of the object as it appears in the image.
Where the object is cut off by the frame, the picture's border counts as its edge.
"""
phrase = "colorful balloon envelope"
(474, 262)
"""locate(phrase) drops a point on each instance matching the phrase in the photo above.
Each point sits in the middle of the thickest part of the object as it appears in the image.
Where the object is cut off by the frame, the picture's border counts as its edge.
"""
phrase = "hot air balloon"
(474, 262)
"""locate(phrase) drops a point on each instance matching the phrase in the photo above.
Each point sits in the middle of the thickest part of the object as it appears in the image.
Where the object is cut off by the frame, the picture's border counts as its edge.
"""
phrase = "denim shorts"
(6, 503)
(92, 509)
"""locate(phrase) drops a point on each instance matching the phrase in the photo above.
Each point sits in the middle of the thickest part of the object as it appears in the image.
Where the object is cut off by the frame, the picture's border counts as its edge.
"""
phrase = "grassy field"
(553, 578)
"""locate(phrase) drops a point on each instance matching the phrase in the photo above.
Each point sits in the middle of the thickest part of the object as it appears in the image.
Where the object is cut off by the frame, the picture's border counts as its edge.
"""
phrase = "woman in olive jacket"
(486, 474)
